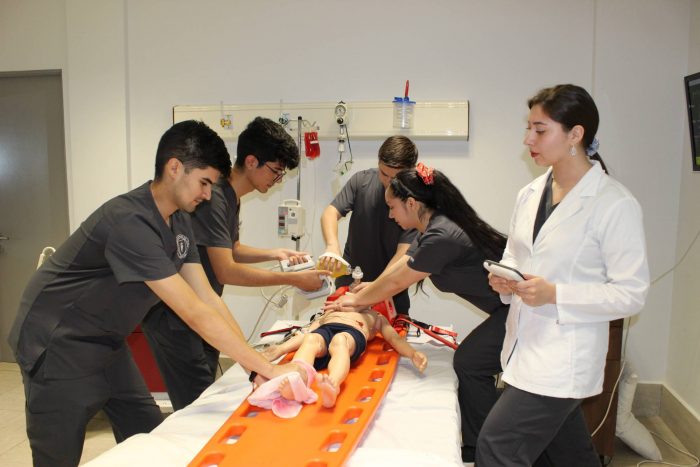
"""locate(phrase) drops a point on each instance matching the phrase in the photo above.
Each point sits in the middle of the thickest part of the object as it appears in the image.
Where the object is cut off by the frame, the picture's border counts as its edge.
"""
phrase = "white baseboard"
(656, 399)
(681, 419)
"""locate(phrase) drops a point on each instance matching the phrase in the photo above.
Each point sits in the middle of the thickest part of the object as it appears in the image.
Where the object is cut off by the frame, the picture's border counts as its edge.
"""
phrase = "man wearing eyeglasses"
(264, 152)
(374, 241)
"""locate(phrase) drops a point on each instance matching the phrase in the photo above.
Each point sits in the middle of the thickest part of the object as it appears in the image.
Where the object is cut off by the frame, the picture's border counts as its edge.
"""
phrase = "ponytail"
(596, 157)
(439, 194)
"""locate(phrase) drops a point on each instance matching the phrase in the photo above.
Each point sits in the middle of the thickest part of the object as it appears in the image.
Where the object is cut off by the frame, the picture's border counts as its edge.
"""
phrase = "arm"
(250, 254)
(228, 271)
(419, 360)
(329, 227)
(401, 250)
(623, 263)
(208, 321)
(394, 279)
(277, 350)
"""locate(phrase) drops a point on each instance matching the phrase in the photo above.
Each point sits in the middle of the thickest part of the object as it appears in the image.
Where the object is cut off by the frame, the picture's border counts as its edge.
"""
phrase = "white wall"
(130, 61)
(641, 100)
(684, 344)
(32, 35)
(97, 104)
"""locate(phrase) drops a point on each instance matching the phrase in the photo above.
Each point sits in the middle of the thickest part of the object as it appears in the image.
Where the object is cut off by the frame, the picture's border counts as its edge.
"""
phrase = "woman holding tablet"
(576, 235)
(451, 247)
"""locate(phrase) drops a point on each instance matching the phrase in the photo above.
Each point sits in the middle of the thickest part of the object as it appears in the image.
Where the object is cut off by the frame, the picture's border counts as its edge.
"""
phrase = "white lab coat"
(592, 247)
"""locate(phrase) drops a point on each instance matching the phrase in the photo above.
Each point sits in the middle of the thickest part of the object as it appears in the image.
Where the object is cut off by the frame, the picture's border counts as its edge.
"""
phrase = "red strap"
(428, 331)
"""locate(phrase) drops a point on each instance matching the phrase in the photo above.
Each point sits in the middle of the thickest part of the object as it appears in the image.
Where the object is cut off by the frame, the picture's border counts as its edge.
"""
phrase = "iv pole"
(299, 123)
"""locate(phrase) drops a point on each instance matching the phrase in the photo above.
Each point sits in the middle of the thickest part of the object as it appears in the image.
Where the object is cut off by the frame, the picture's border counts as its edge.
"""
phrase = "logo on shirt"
(183, 245)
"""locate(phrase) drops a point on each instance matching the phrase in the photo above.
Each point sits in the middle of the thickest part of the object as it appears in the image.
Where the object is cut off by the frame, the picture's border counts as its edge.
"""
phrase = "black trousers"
(186, 362)
(476, 362)
(525, 429)
(58, 411)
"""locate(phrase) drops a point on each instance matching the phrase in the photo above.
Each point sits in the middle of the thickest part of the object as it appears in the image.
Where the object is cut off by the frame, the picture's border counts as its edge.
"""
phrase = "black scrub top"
(88, 296)
(455, 265)
(372, 236)
(216, 224)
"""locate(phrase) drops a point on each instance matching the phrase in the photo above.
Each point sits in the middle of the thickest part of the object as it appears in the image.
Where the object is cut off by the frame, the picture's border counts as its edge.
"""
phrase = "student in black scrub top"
(187, 362)
(450, 249)
(78, 308)
(374, 241)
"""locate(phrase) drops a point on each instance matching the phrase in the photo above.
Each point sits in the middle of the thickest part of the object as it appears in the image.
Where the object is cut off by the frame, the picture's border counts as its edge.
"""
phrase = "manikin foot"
(329, 392)
(285, 387)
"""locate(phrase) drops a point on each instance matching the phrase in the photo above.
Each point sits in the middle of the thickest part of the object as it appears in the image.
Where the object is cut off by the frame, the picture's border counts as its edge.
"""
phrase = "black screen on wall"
(692, 94)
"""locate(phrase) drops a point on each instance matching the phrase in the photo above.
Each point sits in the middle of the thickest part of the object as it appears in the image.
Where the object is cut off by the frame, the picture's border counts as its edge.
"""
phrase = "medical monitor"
(692, 94)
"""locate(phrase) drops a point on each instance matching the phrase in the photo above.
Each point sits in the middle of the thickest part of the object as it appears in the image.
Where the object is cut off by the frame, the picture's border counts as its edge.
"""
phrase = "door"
(33, 188)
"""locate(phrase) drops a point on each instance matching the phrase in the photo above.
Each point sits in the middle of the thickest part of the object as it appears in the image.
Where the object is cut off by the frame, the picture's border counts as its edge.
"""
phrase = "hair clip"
(425, 173)
(593, 147)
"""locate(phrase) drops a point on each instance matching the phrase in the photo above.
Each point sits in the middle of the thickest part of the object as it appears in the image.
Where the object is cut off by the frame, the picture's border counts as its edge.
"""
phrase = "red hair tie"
(425, 173)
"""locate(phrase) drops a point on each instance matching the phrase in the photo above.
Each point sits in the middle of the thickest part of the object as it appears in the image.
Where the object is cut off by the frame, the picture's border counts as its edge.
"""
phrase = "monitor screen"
(692, 94)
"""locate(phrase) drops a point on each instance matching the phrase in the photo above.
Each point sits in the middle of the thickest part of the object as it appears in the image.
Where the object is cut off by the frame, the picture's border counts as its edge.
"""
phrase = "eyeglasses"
(278, 173)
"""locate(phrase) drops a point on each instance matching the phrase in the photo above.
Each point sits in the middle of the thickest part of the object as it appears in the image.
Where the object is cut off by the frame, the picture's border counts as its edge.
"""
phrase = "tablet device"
(501, 270)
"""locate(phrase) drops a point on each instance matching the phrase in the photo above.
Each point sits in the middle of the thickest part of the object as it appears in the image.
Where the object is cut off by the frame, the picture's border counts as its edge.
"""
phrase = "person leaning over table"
(186, 361)
(450, 249)
(82, 303)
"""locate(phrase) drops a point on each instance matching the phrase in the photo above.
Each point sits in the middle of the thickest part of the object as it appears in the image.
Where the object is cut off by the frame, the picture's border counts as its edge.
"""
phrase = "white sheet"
(416, 425)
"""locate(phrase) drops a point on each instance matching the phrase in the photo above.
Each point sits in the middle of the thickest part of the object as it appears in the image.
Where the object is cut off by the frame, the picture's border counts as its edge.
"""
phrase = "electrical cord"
(624, 354)
(695, 458)
(264, 312)
(679, 261)
(612, 396)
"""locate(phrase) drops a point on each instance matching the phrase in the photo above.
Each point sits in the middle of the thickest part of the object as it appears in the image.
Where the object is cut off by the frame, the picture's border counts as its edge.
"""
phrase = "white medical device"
(327, 285)
(307, 264)
(501, 270)
(290, 219)
(326, 289)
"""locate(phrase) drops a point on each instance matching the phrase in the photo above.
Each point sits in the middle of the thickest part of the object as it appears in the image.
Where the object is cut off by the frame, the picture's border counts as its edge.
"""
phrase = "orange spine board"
(317, 437)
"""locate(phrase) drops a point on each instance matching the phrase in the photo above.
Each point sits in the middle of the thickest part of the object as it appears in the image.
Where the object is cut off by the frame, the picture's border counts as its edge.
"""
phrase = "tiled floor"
(15, 452)
(14, 446)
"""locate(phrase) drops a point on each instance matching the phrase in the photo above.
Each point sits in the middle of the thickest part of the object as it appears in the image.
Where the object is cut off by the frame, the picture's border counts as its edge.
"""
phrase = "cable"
(695, 458)
(281, 303)
(626, 332)
(679, 261)
(263, 312)
(347, 133)
(612, 396)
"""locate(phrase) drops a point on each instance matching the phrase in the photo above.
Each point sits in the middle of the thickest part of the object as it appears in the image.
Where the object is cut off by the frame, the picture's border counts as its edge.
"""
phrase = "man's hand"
(343, 303)
(419, 360)
(327, 261)
(294, 257)
(309, 279)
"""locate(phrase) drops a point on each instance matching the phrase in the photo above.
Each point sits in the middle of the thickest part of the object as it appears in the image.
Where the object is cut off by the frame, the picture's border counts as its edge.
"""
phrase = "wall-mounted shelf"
(365, 120)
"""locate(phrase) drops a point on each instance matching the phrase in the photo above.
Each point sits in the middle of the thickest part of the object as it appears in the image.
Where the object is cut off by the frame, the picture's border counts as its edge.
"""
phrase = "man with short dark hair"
(374, 241)
(78, 308)
(265, 151)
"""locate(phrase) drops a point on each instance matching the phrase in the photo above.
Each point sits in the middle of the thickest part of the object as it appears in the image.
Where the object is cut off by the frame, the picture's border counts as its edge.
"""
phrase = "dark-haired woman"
(577, 235)
(451, 247)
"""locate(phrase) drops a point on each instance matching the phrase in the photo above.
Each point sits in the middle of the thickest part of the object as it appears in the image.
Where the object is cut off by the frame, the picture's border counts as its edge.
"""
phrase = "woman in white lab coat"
(577, 236)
